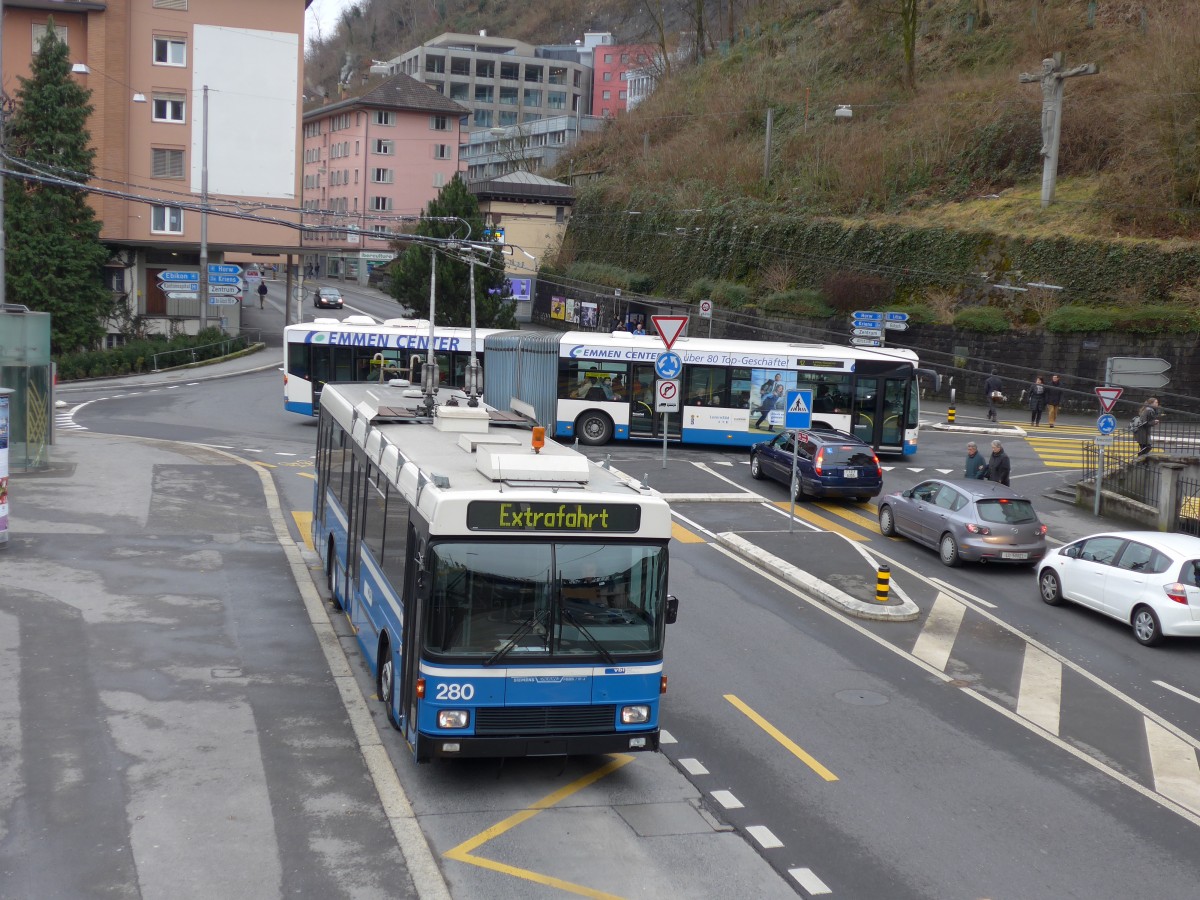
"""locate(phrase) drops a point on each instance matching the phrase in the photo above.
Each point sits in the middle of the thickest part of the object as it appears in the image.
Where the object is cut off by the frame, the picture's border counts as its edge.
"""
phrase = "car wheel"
(948, 550)
(1049, 587)
(887, 521)
(594, 428)
(755, 467)
(1146, 627)
(800, 493)
(387, 684)
(329, 580)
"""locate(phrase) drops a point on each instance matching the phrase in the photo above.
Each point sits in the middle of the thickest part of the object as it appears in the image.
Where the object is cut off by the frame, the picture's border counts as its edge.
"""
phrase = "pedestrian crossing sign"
(799, 409)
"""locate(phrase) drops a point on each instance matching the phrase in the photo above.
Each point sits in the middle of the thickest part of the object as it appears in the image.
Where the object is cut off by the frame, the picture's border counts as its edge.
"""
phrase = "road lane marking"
(799, 752)
(1171, 687)
(936, 639)
(1040, 696)
(464, 852)
(954, 589)
(665, 737)
(694, 526)
(808, 880)
(765, 836)
(684, 536)
(820, 521)
(693, 766)
(1176, 773)
(304, 526)
(848, 513)
(727, 800)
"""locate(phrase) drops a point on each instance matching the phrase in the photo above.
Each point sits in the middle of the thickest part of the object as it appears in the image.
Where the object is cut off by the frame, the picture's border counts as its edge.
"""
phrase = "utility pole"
(1052, 77)
(204, 212)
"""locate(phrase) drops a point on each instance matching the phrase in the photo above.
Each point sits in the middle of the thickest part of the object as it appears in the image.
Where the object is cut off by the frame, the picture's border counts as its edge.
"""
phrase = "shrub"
(1155, 320)
(986, 319)
(1067, 319)
(804, 304)
(730, 294)
(700, 289)
(610, 276)
(136, 357)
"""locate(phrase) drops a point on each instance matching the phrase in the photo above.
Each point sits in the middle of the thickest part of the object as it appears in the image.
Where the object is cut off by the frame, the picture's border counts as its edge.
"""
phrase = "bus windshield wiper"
(599, 647)
(527, 626)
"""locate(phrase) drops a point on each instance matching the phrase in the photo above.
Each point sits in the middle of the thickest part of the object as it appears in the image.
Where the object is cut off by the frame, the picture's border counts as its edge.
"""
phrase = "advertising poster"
(572, 311)
(3, 469)
(589, 315)
(768, 399)
(558, 308)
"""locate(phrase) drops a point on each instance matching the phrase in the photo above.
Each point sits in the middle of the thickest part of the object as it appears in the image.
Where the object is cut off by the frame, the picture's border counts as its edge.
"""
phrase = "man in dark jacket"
(992, 392)
(1053, 399)
(999, 465)
(976, 467)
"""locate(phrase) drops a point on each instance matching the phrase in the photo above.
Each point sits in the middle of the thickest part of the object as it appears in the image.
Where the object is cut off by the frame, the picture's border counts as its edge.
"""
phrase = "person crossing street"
(262, 294)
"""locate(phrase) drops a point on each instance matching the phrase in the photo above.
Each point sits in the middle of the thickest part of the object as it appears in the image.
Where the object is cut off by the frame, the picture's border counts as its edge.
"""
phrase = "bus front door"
(644, 422)
(880, 411)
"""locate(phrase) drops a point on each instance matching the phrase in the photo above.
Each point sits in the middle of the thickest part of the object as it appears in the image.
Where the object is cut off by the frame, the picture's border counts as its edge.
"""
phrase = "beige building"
(149, 65)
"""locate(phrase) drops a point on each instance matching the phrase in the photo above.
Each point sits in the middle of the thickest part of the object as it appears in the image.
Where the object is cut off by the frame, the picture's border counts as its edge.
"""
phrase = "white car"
(1149, 579)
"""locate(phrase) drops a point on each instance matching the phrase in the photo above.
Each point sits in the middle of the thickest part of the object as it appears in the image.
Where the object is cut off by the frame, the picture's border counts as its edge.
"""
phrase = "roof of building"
(399, 91)
(523, 186)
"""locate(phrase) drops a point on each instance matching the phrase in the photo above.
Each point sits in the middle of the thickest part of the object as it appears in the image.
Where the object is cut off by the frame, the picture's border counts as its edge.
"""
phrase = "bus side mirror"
(672, 609)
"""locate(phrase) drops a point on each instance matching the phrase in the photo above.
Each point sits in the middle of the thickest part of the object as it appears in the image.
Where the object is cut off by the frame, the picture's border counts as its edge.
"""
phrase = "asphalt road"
(921, 759)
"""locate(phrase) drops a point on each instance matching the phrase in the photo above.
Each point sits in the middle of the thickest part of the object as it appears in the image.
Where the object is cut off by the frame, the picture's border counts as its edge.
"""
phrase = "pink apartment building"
(611, 64)
(372, 161)
(147, 63)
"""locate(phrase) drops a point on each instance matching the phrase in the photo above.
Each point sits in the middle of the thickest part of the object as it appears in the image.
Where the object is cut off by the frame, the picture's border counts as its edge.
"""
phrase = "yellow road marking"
(802, 512)
(304, 526)
(684, 536)
(787, 742)
(847, 512)
(311, 475)
(464, 851)
(265, 465)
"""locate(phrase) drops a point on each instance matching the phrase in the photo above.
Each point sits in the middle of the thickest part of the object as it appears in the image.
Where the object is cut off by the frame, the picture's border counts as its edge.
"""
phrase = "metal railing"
(170, 359)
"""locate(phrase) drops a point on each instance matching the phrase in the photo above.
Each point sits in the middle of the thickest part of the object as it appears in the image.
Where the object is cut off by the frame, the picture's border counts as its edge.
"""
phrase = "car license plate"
(850, 473)
(1014, 556)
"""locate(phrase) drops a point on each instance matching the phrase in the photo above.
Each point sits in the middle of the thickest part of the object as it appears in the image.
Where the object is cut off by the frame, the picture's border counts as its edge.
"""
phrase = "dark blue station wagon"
(829, 463)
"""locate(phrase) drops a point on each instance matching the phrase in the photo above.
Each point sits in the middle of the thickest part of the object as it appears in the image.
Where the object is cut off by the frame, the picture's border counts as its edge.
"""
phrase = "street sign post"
(798, 416)
(668, 365)
(669, 327)
(666, 401)
(1137, 371)
(1106, 424)
(222, 279)
(706, 309)
(224, 269)
(866, 342)
(1108, 397)
(867, 314)
(868, 332)
(895, 326)
(182, 295)
(224, 289)
(173, 275)
(896, 316)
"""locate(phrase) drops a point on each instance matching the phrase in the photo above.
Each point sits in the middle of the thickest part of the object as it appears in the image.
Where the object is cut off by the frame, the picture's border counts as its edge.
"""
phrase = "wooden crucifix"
(1052, 77)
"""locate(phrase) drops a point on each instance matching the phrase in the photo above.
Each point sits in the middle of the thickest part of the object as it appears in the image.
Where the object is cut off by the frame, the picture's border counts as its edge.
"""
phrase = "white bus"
(357, 348)
(509, 596)
(599, 387)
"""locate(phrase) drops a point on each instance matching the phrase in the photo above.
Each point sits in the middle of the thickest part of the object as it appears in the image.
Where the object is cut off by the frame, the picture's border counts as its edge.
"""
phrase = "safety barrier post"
(883, 583)
(950, 411)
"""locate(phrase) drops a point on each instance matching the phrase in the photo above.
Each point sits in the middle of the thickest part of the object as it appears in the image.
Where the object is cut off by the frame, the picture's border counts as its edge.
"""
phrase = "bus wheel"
(329, 580)
(594, 428)
(387, 683)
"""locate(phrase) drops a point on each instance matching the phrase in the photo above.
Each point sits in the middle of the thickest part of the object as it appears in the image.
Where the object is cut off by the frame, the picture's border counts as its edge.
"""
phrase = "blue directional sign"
(869, 323)
(863, 314)
(897, 317)
(1106, 424)
(668, 365)
(799, 409)
(179, 276)
(224, 279)
(224, 269)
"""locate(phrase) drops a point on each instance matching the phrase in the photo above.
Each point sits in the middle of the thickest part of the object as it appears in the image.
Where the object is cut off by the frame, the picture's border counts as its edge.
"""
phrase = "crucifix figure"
(1052, 77)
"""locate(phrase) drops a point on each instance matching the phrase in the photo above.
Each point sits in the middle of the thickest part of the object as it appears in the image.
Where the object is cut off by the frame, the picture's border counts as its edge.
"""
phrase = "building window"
(621, 95)
(508, 96)
(381, 203)
(384, 148)
(624, 59)
(170, 51)
(608, 76)
(168, 108)
(556, 99)
(460, 91)
(166, 220)
(441, 151)
(439, 179)
(435, 64)
(606, 95)
(166, 163)
(380, 176)
(39, 34)
(533, 98)
(483, 118)
(383, 117)
(483, 93)
(559, 215)
(508, 119)
(171, 4)
(608, 57)
(439, 123)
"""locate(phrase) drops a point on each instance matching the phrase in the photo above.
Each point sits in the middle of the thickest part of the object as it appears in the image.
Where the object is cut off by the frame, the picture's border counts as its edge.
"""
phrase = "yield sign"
(669, 327)
(1108, 397)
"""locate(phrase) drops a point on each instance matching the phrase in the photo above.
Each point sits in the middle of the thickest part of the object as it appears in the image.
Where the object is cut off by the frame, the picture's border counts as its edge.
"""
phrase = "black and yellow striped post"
(950, 411)
(883, 583)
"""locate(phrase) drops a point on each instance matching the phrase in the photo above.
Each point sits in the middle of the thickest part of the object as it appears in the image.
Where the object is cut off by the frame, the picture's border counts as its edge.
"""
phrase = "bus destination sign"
(543, 518)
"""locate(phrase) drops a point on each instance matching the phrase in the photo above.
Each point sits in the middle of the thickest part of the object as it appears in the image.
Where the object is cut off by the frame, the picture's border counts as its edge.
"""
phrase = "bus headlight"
(453, 718)
(635, 715)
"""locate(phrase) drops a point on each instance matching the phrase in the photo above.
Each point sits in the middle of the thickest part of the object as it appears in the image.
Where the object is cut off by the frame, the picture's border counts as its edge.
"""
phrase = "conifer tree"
(54, 256)
(410, 272)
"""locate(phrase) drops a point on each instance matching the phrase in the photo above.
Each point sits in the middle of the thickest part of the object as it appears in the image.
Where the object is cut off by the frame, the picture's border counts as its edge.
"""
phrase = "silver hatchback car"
(972, 521)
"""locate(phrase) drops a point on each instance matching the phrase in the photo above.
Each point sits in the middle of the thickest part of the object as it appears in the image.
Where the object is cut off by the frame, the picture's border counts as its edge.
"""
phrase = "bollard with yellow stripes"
(883, 583)
(950, 415)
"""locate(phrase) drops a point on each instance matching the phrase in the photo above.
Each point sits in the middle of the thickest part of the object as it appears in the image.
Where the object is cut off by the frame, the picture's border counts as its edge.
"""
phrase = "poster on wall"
(558, 308)
(572, 311)
(768, 398)
(589, 315)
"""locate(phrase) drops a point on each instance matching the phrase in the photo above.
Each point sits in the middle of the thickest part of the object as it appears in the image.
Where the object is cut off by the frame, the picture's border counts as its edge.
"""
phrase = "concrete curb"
(1011, 431)
(906, 611)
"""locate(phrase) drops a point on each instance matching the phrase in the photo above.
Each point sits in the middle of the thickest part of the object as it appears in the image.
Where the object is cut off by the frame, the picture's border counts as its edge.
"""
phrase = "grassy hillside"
(960, 149)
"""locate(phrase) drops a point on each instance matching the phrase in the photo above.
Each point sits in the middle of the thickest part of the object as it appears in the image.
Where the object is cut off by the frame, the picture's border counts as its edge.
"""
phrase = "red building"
(611, 65)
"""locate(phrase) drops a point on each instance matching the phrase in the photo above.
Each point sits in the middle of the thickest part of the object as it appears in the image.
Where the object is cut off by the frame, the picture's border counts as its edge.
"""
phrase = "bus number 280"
(455, 691)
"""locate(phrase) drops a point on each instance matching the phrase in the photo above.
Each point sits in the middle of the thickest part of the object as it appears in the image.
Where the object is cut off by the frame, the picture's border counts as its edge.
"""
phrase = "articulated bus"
(601, 387)
(358, 348)
(509, 596)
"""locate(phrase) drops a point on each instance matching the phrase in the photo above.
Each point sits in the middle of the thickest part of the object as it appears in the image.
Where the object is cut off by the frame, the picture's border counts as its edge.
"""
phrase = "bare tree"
(908, 33)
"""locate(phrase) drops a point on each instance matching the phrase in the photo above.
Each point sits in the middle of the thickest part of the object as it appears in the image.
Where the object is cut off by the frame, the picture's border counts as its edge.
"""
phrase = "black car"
(829, 463)
(328, 298)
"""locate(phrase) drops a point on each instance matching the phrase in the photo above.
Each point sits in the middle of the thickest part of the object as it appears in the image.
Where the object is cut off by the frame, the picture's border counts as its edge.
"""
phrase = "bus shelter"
(26, 369)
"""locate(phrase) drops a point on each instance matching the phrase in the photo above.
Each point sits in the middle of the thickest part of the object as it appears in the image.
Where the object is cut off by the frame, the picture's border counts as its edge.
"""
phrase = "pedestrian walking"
(1053, 399)
(262, 294)
(1148, 417)
(976, 467)
(999, 466)
(993, 392)
(1037, 400)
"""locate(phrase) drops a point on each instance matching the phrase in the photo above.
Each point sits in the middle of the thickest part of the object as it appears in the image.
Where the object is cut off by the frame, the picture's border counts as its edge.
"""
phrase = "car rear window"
(848, 456)
(1006, 512)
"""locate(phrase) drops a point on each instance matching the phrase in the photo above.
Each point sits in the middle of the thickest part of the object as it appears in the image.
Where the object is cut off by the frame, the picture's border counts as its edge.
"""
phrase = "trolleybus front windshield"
(513, 601)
